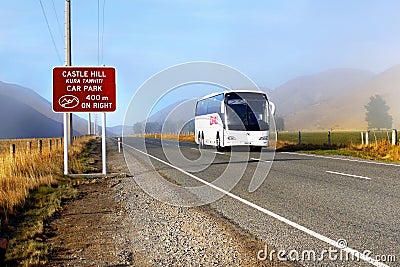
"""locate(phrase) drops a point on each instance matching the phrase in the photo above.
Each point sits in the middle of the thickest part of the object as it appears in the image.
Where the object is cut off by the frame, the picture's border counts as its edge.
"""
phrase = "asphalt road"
(304, 204)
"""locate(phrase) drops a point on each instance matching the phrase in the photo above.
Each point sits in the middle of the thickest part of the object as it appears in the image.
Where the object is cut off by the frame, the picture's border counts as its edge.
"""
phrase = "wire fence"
(344, 138)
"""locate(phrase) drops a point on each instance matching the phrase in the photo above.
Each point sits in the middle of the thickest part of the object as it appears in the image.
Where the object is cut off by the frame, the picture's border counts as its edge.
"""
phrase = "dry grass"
(32, 189)
(180, 137)
(27, 170)
(381, 150)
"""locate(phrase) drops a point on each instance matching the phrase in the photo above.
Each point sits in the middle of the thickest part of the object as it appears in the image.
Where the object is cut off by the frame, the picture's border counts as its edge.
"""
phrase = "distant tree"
(153, 127)
(170, 127)
(138, 128)
(188, 127)
(377, 114)
(279, 123)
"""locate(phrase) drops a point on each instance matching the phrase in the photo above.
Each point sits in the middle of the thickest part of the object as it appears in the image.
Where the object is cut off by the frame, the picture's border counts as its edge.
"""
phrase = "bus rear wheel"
(201, 140)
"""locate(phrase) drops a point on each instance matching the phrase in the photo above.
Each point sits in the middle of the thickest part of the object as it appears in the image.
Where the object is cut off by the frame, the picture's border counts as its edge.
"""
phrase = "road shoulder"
(114, 222)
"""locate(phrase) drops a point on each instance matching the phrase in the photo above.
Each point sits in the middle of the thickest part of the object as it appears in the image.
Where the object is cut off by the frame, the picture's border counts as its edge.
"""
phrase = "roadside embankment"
(32, 189)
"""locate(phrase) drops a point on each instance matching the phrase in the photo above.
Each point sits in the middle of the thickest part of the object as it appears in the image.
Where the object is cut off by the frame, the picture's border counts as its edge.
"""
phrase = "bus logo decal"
(213, 120)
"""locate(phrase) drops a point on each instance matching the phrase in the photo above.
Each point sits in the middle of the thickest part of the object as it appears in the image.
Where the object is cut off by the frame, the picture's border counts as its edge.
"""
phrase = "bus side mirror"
(272, 108)
(222, 108)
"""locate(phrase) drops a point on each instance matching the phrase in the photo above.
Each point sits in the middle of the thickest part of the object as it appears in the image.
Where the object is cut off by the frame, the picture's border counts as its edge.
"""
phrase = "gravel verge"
(115, 223)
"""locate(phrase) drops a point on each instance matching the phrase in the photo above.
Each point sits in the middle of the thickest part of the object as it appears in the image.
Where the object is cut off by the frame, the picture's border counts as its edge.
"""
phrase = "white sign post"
(65, 115)
(103, 144)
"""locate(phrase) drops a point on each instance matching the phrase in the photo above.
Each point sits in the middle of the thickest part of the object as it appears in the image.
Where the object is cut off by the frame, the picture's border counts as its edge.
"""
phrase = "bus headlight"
(231, 138)
(263, 138)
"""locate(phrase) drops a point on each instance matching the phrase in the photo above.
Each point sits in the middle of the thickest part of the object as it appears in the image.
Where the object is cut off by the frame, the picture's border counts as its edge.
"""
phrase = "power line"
(51, 34)
(58, 21)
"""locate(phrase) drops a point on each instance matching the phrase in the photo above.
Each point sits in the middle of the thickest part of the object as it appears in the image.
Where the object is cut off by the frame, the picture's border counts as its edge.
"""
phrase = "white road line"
(220, 153)
(268, 161)
(323, 238)
(350, 175)
(193, 148)
(344, 159)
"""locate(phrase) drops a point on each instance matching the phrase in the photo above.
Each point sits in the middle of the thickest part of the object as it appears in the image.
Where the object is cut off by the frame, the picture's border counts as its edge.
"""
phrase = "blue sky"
(270, 41)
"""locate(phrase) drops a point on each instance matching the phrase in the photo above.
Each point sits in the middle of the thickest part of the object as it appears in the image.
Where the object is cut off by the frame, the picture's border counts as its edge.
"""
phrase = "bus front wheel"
(256, 148)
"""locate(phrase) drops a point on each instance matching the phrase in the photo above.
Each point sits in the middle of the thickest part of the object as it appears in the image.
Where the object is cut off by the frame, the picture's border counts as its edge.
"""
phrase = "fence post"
(12, 150)
(50, 144)
(40, 145)
(329, 138)
(367, 137)
(362, 138)
(29, 146)
(299, 138)
(394, 137)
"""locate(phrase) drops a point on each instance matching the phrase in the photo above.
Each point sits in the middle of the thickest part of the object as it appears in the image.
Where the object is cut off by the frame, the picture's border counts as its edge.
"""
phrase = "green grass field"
(337, 138)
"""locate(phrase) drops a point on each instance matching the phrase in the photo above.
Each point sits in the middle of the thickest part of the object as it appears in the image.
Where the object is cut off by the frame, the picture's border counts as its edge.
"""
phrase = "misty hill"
(177, 117)
(25, 114)
(301, 92)
(179, 111)
(26, 122)
(335, 99)
(117, 130)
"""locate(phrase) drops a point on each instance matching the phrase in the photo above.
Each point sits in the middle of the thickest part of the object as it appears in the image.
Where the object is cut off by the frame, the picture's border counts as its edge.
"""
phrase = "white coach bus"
(233, 118)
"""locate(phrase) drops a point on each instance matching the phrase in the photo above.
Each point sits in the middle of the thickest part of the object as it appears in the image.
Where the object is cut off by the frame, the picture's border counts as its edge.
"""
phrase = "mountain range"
(330, 100)
(25, 114)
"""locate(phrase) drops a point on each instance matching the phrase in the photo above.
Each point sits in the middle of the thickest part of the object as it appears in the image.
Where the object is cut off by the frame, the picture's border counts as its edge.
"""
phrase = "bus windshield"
(247, 111)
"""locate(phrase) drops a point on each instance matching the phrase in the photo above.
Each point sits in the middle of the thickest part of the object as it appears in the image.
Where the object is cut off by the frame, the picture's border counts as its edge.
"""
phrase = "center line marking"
(310, 232)
(268, 161)
(350, 175)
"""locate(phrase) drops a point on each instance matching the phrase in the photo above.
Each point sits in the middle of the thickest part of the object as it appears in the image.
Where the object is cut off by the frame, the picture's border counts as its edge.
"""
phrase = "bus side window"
(201, 108)
(214, 104)
(211, 107)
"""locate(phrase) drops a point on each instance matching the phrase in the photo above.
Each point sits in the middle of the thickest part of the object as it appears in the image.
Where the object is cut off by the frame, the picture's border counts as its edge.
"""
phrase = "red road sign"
(84, 89)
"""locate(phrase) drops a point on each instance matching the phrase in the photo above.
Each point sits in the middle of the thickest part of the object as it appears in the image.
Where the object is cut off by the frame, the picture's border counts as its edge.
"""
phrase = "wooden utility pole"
(67, 116)
(68, 61)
